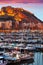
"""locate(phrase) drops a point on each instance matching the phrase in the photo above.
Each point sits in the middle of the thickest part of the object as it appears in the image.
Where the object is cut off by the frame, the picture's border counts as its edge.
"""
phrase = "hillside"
(21, 19)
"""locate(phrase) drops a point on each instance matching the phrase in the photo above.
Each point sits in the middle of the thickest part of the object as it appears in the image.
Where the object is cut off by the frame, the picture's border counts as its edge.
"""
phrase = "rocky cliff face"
(21, 19)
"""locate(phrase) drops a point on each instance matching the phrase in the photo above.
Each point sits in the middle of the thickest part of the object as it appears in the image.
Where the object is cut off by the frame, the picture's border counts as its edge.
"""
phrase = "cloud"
(21, 1)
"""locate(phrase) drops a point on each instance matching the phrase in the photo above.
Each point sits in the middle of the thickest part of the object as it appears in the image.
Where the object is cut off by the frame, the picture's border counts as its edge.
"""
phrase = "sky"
(35, 8)
(21, 1)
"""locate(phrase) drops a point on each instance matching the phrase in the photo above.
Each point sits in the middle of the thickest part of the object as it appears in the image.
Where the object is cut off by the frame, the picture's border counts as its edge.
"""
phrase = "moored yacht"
(30, 47)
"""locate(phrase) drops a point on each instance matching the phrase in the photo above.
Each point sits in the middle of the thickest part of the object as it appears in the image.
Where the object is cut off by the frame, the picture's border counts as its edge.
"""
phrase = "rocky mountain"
(21, 19)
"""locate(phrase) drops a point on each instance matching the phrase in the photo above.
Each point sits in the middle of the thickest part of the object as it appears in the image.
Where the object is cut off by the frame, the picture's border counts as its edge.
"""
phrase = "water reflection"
(38, 59)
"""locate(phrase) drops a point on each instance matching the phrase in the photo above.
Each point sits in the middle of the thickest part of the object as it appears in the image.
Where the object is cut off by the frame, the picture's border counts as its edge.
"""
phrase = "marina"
(20, 48)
